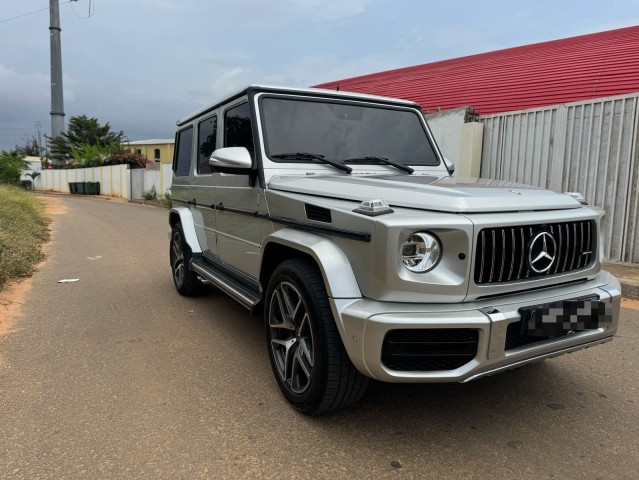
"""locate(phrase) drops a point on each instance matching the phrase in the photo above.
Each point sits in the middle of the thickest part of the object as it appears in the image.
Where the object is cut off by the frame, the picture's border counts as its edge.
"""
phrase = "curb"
(630, 290)
(628, 276)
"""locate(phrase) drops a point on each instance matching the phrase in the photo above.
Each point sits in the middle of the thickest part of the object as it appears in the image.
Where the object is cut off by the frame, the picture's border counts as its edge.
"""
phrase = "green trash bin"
(96, 188)
(73, 187)
(80, 187)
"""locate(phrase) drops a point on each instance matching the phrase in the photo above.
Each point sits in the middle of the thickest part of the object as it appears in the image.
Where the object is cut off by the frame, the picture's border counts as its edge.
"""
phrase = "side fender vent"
(319, 214)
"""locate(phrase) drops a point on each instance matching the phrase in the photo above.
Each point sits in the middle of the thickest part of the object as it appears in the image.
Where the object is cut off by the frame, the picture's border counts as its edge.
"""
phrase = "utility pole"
(37, 125)
(57, 99)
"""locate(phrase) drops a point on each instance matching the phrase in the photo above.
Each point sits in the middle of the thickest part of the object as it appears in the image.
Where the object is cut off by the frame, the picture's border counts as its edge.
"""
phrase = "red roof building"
(560, 71)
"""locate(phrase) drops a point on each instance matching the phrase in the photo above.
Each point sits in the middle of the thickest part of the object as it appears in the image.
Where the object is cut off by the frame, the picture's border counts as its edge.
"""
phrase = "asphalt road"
(118, 376)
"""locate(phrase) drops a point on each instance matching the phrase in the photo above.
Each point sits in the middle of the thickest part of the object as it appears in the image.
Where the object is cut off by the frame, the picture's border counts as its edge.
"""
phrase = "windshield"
(343, 131)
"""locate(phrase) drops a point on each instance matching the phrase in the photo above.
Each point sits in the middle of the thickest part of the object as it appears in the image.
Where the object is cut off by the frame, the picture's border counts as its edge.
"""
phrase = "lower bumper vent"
(433, 349)
(516, 337)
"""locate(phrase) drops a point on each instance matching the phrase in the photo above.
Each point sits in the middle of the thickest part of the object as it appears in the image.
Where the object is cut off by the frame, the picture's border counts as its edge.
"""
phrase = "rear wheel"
(184, 278)
(308, 359)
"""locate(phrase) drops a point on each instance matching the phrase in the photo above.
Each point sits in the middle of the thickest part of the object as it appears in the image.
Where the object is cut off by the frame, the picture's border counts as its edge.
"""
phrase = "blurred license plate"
(555, 319)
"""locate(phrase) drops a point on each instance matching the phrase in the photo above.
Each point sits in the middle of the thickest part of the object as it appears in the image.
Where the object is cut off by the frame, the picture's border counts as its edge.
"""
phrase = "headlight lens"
(421, 252)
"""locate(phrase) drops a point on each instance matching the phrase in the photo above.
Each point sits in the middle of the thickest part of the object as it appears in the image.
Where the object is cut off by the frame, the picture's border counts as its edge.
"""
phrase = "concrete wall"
(160, 176)
(459, 138)
(115, 180)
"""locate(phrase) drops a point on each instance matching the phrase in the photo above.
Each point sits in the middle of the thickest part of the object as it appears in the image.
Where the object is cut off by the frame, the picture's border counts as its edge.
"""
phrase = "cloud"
(229, 81)
(19, 88)
(287, 11)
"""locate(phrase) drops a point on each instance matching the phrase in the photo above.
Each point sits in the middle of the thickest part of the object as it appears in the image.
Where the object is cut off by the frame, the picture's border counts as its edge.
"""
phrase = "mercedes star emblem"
(542, 251)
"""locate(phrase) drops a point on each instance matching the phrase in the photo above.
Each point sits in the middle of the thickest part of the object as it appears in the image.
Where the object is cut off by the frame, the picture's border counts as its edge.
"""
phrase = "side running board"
(244, 294)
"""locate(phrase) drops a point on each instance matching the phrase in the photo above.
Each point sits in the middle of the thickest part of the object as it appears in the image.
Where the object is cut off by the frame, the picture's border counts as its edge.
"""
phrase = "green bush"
(89, 155)
(23, 229)
(150, 194)
(167, 201)
(12, 164)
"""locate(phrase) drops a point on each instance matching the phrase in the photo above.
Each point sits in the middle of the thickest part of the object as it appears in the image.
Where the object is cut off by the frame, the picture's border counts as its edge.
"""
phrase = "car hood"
(445, 194)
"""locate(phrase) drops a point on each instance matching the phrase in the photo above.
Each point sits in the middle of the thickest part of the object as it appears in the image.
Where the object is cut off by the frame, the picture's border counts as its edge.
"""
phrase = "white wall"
(159, 175)
(447, 130)
(115, 181)
(459, 140)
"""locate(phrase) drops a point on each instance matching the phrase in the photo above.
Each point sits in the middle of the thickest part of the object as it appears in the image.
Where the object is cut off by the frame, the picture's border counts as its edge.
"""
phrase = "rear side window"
(184, 150)
(206, 134)
(237, 128)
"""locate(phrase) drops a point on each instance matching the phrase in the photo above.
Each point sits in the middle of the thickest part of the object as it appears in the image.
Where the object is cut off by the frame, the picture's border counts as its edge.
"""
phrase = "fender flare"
(185, 217)
(333, 263)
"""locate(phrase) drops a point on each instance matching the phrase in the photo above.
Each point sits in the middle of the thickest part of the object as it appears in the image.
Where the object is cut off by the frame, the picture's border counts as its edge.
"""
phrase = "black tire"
(185, 279)
(306, 352)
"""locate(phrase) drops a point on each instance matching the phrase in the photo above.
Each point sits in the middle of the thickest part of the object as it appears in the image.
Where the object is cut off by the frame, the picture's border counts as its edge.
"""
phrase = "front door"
(238, 231)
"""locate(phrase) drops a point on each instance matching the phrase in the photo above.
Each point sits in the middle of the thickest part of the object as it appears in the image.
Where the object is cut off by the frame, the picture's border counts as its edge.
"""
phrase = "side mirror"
(450, 165)
(231, 158)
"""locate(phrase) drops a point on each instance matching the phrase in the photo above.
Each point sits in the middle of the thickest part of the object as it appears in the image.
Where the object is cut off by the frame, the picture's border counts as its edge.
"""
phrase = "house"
(158, 150)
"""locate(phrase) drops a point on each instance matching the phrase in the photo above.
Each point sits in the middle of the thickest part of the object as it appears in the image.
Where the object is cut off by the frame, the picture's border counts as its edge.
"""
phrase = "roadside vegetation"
(87, 143)
(23, 230)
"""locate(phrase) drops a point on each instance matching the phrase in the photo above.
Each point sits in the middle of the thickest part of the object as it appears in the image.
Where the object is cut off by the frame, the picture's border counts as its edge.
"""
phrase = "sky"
(141, 65)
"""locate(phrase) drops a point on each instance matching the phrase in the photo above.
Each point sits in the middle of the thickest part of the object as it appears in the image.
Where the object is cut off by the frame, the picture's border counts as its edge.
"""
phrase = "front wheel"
(306, 352)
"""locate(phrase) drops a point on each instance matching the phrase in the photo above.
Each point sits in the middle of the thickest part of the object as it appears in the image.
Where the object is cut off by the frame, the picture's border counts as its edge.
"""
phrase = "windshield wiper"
(312, 156)
(381, 160)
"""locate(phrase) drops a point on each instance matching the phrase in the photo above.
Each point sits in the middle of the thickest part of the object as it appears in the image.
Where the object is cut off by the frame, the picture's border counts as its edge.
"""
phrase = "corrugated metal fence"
(590, 147)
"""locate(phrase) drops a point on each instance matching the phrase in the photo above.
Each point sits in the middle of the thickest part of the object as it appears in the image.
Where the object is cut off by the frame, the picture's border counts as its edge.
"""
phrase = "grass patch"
(24, 227)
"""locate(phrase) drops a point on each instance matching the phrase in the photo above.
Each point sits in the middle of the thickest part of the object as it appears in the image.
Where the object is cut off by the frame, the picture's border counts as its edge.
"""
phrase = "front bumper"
(364, 324)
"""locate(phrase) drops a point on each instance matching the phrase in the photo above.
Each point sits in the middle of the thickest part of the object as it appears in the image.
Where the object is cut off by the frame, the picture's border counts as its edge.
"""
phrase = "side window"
(157, 154)
(206, 134)
(237, 128)
(183, 154)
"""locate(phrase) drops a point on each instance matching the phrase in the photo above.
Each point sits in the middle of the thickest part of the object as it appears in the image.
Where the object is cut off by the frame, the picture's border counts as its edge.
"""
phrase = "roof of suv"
(298, 91)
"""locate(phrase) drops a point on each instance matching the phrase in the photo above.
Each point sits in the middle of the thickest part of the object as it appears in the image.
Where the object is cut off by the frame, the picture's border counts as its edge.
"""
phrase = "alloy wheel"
(291, 337)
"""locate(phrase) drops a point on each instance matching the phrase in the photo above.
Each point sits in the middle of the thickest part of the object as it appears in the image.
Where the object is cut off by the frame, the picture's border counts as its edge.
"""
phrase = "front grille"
(502, 254)
(433, 349)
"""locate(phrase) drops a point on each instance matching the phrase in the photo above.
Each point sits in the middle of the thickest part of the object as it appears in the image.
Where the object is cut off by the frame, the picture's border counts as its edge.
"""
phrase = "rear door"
(202, 184)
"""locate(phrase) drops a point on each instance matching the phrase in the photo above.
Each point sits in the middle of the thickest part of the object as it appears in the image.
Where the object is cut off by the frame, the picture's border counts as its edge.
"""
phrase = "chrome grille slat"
(589, 244)
(482, 248)
(581, 244)
(574, 249)
(512, 254)
(492, 263)
(563, 269)
(521, 254)
(508, 252)
(503, 254)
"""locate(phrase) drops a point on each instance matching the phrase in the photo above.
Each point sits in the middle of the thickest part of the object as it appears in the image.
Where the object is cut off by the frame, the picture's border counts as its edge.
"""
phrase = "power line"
(90, 13)
(35, 11)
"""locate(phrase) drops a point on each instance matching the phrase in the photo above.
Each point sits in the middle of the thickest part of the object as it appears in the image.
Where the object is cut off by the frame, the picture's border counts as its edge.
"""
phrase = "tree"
(12, 164)
(30, 147)
(83, 131)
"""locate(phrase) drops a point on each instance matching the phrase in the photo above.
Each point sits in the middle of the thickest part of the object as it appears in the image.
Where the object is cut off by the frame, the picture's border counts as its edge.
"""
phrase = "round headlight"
(420, 252)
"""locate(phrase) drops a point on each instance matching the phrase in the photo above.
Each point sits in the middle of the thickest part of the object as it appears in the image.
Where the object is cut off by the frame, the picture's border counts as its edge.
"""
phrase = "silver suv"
(336, 216)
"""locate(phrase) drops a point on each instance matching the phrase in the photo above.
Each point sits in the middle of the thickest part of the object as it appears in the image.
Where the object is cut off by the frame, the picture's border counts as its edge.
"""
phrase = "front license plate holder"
(558, 318)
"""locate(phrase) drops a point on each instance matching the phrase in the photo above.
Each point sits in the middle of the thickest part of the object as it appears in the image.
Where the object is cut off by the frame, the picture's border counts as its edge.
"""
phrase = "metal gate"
(590, 147)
